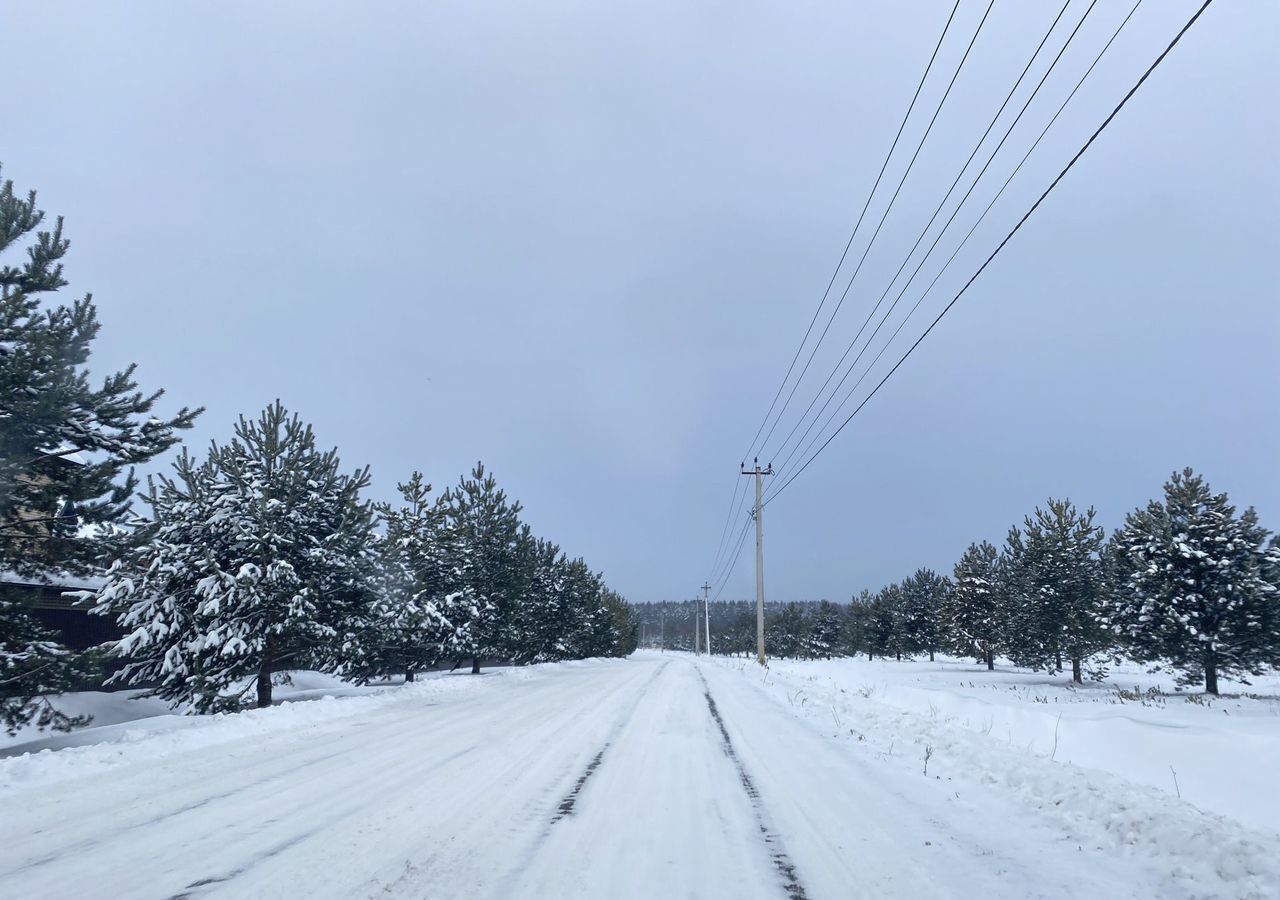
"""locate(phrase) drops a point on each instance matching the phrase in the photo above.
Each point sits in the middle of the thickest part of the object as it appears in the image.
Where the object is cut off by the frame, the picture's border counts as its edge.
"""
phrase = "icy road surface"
(653, 777)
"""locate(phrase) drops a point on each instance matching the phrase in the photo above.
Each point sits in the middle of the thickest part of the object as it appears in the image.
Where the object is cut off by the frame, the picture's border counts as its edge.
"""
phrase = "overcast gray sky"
(581, 241)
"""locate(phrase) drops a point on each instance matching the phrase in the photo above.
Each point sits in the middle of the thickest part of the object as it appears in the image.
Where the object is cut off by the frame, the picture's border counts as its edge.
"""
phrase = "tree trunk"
(930, 656)
(1211, 675)
(870, 656)
(899, 656)
(475, 665)
(264, 675)
(991, 660)
(1057, 661)
(1076, 674)
(408, 675)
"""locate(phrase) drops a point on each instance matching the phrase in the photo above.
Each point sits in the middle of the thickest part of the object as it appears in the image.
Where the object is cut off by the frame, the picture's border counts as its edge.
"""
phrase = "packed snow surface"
(656, 776)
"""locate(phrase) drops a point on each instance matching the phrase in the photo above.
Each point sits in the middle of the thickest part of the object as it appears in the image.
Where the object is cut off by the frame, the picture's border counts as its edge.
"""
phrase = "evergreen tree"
(420, 614)
(1057, 590)
(892, 622)
(259, 560)
(1199, 589)
(919, 614)
(786, 632)
(871, 622)
(973, 611)
(624, 626)
(824, 638)
(484, 530)
(542, 621)
(66, 452)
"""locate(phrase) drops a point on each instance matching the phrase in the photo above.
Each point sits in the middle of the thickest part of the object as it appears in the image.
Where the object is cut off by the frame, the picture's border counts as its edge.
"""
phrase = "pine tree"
(1057, 590)
(542, 619)
(1199, 590)
(871, 619)
(823, 641)
(973, 611)
(786, 632)
(624, 625)
(259, 560)
(420, 613)
(893, 622)
(919, 614)
(485, 531)
(57, 516)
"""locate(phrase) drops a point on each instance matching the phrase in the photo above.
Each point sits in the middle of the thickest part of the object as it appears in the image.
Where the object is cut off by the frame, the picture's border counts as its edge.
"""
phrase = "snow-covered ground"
(126, 715)
(657, 776)
(1218, 753)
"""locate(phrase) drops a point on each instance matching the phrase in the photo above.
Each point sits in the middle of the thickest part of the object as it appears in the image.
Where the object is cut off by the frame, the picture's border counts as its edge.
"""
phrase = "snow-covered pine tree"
(591, 632)
(1057, 590)
(420, 612)
(259, 560)
(1198, 590)
(56, 515)
(919, 615)
(973, 611)
(625, 627)
(484, 529)
(787, 631)
(825, 625)
(541, 620)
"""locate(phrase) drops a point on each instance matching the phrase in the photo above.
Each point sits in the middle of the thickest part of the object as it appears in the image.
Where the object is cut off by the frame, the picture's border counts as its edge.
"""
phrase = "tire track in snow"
(360, 791)
(570, 799)
(568, 803)
(777, 853)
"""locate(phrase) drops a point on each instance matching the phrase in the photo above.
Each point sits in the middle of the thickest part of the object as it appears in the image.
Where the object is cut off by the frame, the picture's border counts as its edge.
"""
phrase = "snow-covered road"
(653, 777)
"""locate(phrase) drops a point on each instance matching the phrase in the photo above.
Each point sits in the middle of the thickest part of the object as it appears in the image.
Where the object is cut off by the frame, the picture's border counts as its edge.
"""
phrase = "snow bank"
(153, 734)
(1217, 753)
(1207, 854)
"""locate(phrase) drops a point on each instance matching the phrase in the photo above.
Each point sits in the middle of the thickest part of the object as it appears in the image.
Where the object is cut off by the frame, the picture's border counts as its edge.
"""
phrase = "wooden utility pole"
(759, 473)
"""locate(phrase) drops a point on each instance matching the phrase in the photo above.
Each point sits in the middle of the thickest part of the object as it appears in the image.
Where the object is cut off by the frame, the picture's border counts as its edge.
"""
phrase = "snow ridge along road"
(652, 777)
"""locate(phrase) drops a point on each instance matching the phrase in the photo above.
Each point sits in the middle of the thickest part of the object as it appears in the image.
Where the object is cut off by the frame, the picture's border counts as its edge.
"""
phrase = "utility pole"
(697, 630)
(706, 606)
(759, 473)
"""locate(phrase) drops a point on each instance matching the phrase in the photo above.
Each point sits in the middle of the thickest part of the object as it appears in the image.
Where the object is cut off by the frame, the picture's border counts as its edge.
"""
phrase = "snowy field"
(660, 776)
(1218, 753)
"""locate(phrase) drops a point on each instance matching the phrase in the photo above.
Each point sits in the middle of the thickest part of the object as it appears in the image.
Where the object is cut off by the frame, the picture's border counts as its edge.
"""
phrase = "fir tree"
(1199, 589)
(1056, 586)
(259, 560)
(66, 452)
(973, 611)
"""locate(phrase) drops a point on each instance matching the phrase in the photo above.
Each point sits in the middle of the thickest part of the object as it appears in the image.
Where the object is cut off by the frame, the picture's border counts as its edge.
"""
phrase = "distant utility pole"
(706, 606)
(759, 473)
(697, 632)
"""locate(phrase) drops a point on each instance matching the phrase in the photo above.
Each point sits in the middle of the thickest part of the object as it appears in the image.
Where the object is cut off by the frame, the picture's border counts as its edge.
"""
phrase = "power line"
(946, 226)
(964, 241)
(853, 233)
(735, 505)
(724, 530)
(862, 329)
(742, 542)
(1133, 90)
(883, 217)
